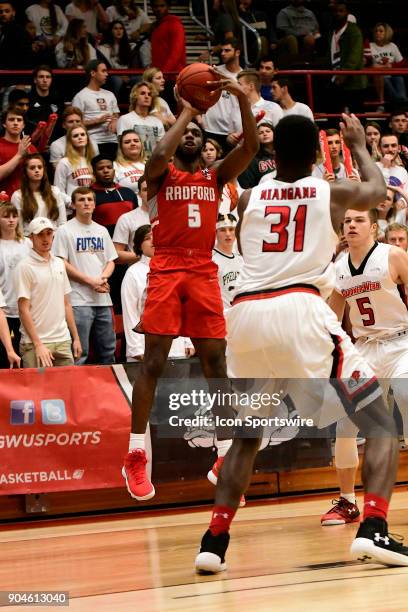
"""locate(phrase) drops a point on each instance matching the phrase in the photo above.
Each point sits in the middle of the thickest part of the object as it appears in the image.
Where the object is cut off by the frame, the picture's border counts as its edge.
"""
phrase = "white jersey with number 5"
(377, 305)
(287, 237)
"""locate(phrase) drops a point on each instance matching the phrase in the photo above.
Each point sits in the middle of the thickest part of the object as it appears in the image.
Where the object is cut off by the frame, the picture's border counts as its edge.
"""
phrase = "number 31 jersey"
(184, 212)
(377, 305)
(287, 237)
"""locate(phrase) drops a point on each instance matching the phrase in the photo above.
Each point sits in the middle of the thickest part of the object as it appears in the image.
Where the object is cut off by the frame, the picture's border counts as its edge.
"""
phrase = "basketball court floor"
(280, 558)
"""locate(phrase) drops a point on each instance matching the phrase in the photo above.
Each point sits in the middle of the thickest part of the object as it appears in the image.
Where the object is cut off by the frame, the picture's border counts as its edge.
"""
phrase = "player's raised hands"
(352, 131)
(182, 103)
(230, 85)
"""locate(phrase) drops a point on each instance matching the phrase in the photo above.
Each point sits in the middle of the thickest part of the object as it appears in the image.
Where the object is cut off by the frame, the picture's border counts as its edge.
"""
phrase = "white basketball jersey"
(287, 237)
(377, 304)
(229, 267)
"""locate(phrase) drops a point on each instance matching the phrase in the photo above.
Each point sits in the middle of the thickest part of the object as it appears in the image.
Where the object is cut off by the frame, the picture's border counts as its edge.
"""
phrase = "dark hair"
(296, 140)
(29, 207)
(397, 112)
(42, 67)
(92, 66)
(283, 82)
(16, 95)
(266, 58)
(373, 124)
(11, 110)
(139, 237)
(168, 2)
(229, 216)
(234, 42)
(95, 160)
(125, 51)
(388, 135)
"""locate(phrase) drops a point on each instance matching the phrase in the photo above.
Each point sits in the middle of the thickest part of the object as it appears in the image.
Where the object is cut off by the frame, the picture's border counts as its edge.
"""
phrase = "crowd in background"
(75, 239)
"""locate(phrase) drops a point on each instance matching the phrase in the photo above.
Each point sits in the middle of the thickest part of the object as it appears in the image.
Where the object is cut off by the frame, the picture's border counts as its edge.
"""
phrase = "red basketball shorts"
(183, 296)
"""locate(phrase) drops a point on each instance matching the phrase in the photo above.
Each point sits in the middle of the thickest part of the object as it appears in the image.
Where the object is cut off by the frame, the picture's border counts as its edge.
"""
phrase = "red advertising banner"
(62, 429)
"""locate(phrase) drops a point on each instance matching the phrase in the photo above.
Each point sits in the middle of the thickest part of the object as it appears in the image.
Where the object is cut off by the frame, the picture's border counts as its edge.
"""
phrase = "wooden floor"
(280, 558)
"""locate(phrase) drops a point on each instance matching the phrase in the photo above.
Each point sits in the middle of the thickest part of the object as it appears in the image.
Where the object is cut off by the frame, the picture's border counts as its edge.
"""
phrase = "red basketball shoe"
(134, 472)
(213, 477)
(342, 512)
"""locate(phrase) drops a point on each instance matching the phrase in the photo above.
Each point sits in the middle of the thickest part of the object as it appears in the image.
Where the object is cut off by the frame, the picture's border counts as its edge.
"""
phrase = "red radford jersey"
(184, 212)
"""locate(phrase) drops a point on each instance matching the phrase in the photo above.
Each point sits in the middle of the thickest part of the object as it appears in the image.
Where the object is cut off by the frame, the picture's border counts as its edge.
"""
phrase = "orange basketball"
(192, 86)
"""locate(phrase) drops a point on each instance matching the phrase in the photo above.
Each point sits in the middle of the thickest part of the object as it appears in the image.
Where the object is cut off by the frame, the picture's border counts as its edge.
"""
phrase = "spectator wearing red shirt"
(12, 150)
(167, 39)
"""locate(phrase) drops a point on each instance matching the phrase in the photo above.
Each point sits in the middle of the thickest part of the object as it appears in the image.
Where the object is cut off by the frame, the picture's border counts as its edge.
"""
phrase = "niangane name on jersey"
(367, 286)
(190, 192)
(90, 244)
(289, 193)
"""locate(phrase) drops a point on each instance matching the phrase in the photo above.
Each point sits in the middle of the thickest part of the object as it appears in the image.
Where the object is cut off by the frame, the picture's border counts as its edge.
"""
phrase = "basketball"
(192, 86)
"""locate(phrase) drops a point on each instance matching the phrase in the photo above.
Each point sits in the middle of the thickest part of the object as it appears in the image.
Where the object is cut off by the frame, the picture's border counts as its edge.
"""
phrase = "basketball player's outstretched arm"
(351, 194)
(240, 157)
(156, 168)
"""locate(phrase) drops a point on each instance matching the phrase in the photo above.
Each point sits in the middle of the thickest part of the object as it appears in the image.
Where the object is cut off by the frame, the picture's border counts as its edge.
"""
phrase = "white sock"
(137, 441)
(351, 497)
(223, 447)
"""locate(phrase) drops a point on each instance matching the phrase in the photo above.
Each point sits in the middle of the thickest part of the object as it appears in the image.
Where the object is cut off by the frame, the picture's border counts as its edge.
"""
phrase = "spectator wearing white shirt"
(132, 295)
(99, 107)
(140, 119)
(91, 11)
(74, 50)
(13, 248)
(130, 161)
(42, 289)
(6, 344)
(385, 54)
(251, 84)
(390, 164)
(36, 197)
(71, 117)
(229, 263)
(156, 78)
(75, 169)
(281, 88)
(127, 224)
(49, 21)
(220, 119)
(89, 254)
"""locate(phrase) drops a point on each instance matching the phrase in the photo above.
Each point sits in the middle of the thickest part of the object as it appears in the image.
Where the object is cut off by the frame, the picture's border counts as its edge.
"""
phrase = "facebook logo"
(22, 412)
(53, 412)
